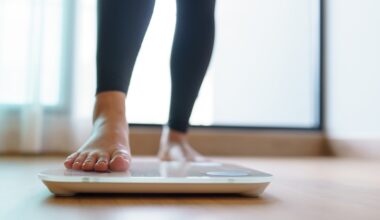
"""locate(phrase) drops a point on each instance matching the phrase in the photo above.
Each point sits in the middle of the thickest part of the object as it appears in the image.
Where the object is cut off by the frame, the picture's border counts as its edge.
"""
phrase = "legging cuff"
(181, 126)
(109, 88)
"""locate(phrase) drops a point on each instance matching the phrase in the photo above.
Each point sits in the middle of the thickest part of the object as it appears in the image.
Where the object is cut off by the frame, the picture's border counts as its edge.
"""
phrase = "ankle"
(109, 106)
(177, 136)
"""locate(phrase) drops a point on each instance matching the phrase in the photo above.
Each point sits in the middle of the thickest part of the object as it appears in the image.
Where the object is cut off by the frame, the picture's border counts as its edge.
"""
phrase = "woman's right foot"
(108, 146)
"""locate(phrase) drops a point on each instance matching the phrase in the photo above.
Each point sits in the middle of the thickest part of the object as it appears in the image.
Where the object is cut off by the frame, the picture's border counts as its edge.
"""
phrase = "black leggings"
(121, 28)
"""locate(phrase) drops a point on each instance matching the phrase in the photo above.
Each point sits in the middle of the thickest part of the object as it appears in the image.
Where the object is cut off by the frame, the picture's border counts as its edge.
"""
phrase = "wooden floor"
(303, 188)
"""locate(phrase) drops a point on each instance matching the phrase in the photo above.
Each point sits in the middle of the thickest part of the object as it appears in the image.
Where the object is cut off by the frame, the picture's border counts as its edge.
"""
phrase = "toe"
(70, 160)
(90, 161)
(102, 163)
(77, 165)
(120, 161)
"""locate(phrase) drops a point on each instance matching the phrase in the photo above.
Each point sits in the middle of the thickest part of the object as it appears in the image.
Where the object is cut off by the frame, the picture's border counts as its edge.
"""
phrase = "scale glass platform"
(160, 177)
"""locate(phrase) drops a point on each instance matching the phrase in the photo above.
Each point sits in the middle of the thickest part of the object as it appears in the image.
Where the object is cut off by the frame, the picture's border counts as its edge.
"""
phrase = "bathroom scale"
(160, 177)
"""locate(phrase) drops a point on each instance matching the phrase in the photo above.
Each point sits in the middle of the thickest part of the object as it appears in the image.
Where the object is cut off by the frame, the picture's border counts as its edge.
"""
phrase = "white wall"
(264, 64)
(353, 69)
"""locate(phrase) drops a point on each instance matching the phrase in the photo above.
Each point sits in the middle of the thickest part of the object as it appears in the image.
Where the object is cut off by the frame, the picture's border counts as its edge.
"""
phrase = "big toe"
(120, 161)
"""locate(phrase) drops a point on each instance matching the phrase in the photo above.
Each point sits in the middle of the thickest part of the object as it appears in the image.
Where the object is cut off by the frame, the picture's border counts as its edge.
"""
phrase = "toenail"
(124, 156)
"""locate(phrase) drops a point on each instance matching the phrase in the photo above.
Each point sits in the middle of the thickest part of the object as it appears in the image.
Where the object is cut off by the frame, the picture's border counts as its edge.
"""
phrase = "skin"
(108, 147)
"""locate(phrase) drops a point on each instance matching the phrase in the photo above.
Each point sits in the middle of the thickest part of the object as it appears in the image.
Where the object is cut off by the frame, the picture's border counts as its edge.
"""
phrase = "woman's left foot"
(174, 146)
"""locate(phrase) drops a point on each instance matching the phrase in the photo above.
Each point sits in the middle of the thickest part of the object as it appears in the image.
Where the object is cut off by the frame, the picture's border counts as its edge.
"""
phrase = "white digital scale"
(160, 177)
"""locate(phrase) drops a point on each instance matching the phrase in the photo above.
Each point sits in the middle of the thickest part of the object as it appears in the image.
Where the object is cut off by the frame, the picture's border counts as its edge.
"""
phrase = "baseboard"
(237, 142)
(354, 147)
(213, 142)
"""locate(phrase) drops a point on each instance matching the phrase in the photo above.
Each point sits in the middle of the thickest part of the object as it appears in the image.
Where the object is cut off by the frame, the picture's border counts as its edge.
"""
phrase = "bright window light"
(30, 51)
(264, 70)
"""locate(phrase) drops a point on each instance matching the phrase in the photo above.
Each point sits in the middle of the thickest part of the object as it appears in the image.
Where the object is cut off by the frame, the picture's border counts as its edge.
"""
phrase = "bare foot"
(108, 146)
(174, 146)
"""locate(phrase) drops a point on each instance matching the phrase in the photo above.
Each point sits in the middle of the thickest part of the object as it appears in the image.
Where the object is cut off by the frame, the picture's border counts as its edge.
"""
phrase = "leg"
(191, 53)
(121, 28)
